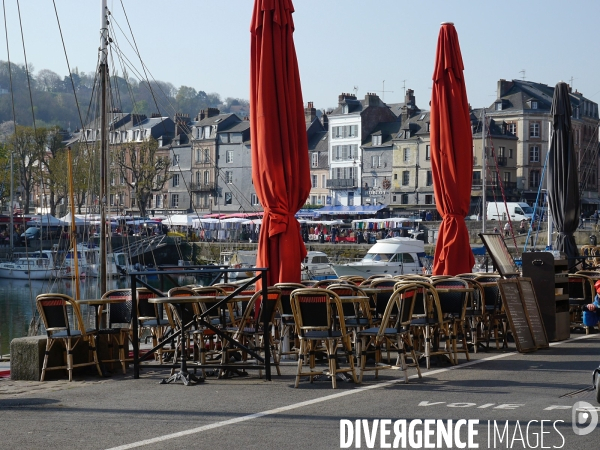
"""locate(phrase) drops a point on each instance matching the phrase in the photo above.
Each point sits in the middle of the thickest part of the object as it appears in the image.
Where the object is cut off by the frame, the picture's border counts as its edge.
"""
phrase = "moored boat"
(392, 256)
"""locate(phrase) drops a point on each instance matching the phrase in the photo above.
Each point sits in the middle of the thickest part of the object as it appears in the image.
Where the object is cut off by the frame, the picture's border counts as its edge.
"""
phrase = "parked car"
(31, 234)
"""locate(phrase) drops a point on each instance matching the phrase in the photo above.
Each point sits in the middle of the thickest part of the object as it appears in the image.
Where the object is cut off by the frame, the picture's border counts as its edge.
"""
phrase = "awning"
(590, 201)
(357, 209)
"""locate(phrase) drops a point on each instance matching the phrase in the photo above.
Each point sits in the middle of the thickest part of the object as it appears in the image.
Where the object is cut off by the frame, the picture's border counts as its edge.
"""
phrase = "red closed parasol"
(451, 156)
(280, 166)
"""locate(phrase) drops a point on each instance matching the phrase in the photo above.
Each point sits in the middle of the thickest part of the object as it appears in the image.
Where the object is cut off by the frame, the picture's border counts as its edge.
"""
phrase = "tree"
(28, 146)
(4, 173)
(143, 169)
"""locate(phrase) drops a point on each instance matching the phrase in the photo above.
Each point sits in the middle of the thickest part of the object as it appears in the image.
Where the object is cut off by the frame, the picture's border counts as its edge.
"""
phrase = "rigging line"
(69, 68)
(26, 66)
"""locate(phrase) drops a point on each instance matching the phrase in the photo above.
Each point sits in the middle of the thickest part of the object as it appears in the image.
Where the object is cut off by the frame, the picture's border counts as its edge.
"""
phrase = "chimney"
(310, 113)
(201, 115)
(325, 121)
(503, 87)
(345, 96)
(409, 98)
(371, 99)
(212, 112)
(155, 115)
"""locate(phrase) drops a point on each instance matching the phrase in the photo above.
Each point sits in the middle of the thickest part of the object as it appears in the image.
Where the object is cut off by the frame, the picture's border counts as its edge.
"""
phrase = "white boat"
(316, 266)
(392, 256)
(239, 259)
(38, 266)
(89, 262)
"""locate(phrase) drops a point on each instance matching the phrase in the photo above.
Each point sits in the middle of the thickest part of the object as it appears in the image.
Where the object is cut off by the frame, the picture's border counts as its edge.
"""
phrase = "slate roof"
(387, 131)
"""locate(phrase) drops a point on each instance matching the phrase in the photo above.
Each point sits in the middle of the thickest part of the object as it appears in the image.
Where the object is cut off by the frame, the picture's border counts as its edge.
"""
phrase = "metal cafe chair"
(54, 311)
(314, 312)
(393, 334)
(494, 319)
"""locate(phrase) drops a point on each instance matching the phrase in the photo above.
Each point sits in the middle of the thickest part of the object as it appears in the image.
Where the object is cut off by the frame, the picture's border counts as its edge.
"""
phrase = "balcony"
(341, 183)
(501, 160)
(202, 187)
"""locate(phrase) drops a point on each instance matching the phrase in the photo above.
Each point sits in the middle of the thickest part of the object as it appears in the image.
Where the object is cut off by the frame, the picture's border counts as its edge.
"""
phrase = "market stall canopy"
(180, 220)
(79, 220)
(354, 209)
(47, 220)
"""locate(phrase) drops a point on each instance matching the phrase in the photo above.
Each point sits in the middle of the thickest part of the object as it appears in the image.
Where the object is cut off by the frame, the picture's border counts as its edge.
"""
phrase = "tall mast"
(12, 208)
(103, 145)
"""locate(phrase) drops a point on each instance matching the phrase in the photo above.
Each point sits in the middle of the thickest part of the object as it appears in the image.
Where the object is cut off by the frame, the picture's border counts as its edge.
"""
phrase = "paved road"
(249, 413)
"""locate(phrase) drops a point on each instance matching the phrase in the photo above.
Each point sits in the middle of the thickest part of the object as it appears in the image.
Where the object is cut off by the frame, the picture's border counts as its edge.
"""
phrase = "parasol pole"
(549, 214)
(484, 170)
(73, 228)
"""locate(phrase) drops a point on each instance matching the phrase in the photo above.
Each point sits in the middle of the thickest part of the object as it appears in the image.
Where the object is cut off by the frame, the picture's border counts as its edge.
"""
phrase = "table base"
(184, 376)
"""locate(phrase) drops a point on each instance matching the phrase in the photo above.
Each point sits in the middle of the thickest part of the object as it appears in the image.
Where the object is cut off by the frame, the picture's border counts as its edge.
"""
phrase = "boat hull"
(26, 274)
(366, 270)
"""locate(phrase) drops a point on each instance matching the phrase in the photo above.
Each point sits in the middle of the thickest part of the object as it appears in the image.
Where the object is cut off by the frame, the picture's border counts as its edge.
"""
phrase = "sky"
(381, 46)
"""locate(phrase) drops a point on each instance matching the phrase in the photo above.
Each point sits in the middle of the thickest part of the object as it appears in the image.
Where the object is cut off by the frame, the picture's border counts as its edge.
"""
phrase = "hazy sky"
(342, 45)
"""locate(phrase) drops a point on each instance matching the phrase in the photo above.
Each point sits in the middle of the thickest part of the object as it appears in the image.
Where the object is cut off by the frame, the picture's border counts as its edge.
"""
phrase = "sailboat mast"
(103, 146)
(12, 208)
(73, 227)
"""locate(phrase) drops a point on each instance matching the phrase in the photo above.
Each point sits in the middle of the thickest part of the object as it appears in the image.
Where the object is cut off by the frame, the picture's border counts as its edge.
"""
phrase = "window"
(506, 177)
(158, 200)
(323, 180)
(512, 128)
(315, 159)
(112, 199)
(229, 156)
(405, 178)
(427, 152)
(476, 178)
(344, 152)
(112, 180)
(174, 200)
(345, 109)
(313, 199)
(534, 104)
(534, 130)
(375, 161)
(404, 199)
(175, 160)
(133, 200)
(429, 178)
(206, 177)
(346, 131)
(510, 153)
(498, 106)
(254, 200)
(501, 151)
(198, 177)
(407, 134)
(175, 180)
(395, 176)
(406, 156)
(228, 198)
(206, 155)
(313, 181)
(376, 140)
(123, 179)
(534, 153)
(429, 199)
(534, 178)
(229, 177)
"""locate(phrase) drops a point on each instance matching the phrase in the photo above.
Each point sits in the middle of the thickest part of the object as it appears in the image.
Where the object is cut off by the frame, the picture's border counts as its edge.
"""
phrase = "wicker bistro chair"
(314, 312)
(454, 294)
(494, 320)
(54, 311)
(429, 327)
(475, 311)
(581, 293)
(289, 343)
(209, 347)
(151, 319)
(385, 288)
(354, 279)
(251, 327)
(357, 313)
(118, 329)
(327, 282)
(393, 334)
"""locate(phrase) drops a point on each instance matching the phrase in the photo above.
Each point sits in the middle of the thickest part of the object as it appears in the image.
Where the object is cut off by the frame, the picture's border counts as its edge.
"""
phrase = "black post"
(134, 329)
(266, 328)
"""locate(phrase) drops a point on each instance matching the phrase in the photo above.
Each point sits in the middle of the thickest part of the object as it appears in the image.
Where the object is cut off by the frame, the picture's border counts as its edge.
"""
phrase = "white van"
(516, 210)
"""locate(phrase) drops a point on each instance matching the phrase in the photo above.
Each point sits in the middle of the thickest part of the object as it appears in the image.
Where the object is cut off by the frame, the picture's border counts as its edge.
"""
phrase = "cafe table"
(178, 302)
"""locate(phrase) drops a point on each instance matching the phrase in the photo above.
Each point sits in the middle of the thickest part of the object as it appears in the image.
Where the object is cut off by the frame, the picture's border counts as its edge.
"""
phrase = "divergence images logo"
(584, 418)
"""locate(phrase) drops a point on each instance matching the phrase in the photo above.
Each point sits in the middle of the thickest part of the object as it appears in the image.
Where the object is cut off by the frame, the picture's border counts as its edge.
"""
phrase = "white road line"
(282, 409)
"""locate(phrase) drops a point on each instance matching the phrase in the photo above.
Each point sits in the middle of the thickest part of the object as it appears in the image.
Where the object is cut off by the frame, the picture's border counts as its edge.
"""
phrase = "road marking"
(282, 409)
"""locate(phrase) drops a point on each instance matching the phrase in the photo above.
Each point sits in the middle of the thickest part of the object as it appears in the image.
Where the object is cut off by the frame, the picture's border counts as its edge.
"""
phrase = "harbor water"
(17, 301)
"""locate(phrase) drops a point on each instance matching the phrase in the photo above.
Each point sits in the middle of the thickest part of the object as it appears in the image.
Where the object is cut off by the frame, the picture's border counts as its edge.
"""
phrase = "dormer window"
(376, 140)
(498, 106)
(407, 134)
(534, 104)
(345, 109)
